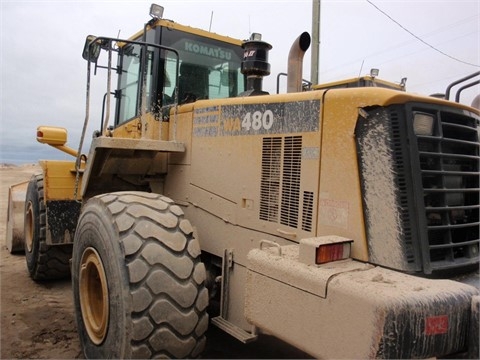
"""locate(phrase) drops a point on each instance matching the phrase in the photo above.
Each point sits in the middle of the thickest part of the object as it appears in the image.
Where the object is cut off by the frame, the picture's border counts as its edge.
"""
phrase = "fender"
(62, 209)
(349, 309)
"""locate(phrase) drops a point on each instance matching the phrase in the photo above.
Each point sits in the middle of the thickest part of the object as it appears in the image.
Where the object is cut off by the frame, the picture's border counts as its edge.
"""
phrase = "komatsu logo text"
(214, 52)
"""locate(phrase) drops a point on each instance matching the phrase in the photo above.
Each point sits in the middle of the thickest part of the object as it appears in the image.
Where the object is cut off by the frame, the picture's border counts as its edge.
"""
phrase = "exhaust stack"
(295, 62)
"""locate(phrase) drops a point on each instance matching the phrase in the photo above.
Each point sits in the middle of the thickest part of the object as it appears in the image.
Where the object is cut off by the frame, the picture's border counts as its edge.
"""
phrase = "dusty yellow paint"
(356, 81)
(131, 129)
(354, 305)
(180, 130)
(59, 180)
(222, 174)
(145, 126)
(340, 207)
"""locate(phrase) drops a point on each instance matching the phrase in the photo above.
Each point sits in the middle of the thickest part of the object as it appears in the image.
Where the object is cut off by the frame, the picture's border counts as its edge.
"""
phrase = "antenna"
(361, 68)
(211, 19)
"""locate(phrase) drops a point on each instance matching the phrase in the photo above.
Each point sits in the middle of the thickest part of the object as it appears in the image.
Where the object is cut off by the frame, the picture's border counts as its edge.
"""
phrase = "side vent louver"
(307, 212)
(280, 182)
(292, 157)
(270, 182)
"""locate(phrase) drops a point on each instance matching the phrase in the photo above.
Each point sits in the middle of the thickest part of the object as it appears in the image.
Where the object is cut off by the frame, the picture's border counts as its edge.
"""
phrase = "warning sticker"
(333, 213)
(435, 325)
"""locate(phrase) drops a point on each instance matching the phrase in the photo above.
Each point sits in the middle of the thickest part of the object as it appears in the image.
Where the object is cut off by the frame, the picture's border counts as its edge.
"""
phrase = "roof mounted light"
(156, 11)
(256, 37)
(374, 73)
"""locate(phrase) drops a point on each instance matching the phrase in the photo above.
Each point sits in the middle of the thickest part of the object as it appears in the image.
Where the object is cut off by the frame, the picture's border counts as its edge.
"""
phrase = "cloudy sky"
(43, 75)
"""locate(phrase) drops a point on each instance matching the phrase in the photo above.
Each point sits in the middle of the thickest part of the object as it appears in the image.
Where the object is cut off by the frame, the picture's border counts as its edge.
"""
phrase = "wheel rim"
(29, 221)
(93, 295)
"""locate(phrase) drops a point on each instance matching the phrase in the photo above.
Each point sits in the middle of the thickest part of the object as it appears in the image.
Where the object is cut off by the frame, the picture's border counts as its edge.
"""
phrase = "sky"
(43, 75)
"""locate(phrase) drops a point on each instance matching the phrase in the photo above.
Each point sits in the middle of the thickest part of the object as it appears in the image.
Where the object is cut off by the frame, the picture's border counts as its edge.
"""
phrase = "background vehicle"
(323, 217)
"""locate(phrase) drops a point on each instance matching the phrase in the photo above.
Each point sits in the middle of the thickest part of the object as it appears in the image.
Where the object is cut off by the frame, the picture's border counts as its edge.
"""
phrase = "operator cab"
(159, 71)
(208, 66)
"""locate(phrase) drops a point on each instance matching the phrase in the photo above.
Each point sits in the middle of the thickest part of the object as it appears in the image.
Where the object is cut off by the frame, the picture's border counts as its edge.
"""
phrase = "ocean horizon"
(22, 158)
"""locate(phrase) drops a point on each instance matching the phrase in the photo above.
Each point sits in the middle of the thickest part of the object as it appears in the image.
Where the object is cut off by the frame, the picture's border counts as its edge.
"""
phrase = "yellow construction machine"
(334, 219)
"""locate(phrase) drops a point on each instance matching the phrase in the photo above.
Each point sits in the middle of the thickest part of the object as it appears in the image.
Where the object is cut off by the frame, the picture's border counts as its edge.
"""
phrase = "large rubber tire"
(44, 262)
(138, 282)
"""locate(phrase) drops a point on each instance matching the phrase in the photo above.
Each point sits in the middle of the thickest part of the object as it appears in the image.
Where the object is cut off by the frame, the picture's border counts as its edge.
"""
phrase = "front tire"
(44, 262)
(138, 282)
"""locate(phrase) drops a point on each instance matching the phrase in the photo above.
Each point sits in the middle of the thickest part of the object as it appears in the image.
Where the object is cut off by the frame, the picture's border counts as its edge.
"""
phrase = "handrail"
(106, 44)
(449, 87)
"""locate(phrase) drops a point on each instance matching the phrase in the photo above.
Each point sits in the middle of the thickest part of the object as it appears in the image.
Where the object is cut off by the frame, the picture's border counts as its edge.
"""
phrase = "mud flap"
(62, 217)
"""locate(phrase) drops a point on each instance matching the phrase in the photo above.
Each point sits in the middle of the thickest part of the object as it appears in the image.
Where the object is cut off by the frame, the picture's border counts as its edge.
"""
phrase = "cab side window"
(127, 95)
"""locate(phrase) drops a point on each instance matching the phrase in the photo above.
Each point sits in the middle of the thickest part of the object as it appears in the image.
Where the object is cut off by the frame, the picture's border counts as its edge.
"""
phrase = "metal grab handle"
(272, 244)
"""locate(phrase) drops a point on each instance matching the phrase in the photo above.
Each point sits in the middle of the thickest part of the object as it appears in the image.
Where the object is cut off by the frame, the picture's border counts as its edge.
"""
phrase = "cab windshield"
(208, 69)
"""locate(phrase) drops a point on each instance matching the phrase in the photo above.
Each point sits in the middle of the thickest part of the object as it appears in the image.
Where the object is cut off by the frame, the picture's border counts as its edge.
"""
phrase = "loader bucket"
(15, 217)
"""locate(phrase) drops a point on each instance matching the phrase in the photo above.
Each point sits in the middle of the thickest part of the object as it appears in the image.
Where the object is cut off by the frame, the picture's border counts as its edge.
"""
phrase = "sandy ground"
(37, 320)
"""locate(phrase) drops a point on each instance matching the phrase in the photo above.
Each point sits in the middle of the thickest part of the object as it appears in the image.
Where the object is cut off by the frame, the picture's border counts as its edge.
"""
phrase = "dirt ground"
(37, 320)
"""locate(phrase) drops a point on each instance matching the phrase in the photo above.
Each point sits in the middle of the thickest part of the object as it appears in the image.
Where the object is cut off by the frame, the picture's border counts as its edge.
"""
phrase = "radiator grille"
(449, 163)
(424, 161)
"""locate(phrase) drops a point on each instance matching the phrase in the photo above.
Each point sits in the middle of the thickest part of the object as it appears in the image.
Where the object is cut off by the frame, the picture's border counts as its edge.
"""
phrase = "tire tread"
(167, 278)
(46, 262)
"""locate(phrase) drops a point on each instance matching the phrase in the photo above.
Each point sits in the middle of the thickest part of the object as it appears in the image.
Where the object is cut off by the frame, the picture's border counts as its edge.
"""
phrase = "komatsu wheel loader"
(333, 218)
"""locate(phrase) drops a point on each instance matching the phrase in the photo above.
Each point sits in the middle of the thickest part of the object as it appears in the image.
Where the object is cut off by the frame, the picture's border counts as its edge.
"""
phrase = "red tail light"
(324, 249)
(327, 253)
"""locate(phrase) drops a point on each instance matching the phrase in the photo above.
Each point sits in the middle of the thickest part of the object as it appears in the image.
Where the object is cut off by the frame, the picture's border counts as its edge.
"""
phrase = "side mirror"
(52, 135)
(56, 137)
(91, 50)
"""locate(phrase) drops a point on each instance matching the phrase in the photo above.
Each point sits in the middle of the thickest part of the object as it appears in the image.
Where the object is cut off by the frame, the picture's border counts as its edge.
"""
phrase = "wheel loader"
(336, 219)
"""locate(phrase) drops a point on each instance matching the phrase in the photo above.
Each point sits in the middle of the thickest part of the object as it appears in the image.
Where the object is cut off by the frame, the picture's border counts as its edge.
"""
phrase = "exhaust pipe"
(295, 62)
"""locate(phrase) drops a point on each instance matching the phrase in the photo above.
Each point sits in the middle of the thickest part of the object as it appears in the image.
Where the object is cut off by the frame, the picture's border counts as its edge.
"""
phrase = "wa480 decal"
(257, 119)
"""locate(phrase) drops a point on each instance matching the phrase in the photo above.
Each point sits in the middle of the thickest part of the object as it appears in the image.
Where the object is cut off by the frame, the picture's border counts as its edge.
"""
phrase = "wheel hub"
(94, 301)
